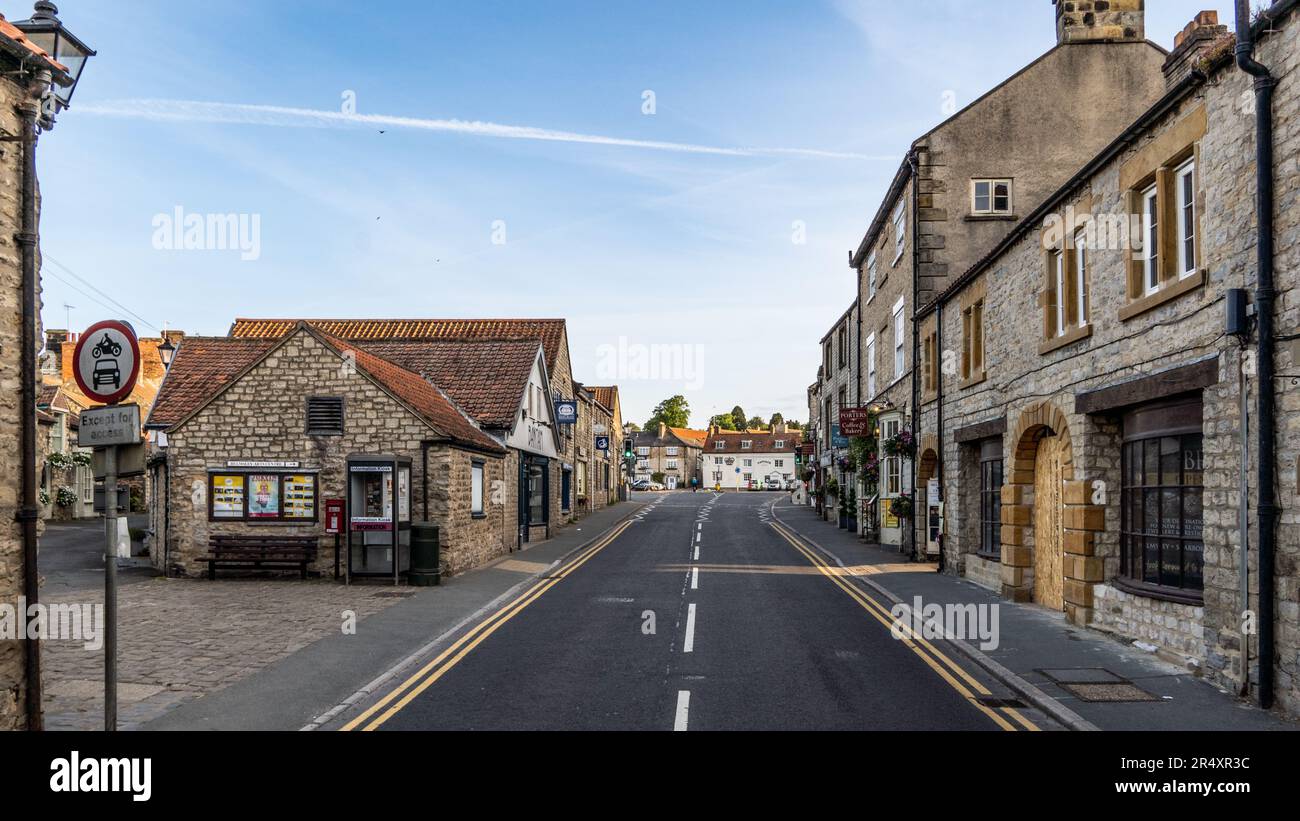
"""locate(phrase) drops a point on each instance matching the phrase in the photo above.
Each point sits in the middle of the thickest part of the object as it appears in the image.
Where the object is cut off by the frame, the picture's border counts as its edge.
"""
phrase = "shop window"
(476, 489)
(991, 499)
(892, 471)
(1161, 518)
(538, 513)
(262, 497)
(325, 415)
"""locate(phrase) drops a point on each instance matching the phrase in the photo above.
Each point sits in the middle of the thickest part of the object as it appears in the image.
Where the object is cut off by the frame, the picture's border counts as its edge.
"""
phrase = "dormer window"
(746, 444)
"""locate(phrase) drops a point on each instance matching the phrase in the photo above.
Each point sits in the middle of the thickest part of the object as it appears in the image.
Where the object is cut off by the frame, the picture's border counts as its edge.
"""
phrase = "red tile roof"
(607, 396)
(549, 331)
(486, 378)
(695, 438)
(202, 367)
(760, 441)
(420, 395)
(11, 32)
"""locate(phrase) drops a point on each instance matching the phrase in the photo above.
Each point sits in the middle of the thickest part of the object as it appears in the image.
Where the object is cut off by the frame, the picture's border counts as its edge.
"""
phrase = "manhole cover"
(1110, 692)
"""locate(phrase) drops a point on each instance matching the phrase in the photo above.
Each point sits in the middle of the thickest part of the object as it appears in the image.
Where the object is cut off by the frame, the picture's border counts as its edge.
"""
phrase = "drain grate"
(1112, 693)
(394, 594)
(998, 703)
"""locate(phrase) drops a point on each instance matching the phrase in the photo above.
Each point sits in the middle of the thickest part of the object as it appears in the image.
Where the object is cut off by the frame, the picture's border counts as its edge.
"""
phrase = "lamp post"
(37, 112)
(165, 352)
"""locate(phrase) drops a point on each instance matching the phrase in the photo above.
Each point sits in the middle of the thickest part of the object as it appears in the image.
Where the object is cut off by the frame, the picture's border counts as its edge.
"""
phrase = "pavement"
(695, 615)
(1040, 653)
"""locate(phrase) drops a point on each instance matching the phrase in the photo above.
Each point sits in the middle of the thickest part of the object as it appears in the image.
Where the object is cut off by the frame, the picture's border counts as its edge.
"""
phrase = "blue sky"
(225, 107)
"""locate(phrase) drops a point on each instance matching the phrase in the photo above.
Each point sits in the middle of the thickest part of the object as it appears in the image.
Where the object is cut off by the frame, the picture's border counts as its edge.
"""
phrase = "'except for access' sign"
(111, 425)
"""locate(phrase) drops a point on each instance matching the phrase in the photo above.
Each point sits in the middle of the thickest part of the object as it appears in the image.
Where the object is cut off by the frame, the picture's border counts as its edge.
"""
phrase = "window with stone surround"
(991, 464)
(476, 489)
(872, 270)
(900, 361)
(930, 365)
(871, 367)
(1066, 293)
(972, 342)
(1161, 503)
(900, 229)
(1165, 203)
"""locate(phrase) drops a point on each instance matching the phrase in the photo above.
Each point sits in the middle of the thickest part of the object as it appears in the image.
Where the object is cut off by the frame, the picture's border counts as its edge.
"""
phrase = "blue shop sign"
(602, 443)
(566, 411)
(838, 440)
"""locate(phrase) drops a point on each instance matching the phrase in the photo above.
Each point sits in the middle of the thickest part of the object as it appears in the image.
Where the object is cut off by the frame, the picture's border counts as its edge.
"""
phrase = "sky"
(681, 181)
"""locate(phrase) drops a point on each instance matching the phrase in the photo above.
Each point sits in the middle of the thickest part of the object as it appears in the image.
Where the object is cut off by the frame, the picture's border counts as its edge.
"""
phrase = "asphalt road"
(697, 615)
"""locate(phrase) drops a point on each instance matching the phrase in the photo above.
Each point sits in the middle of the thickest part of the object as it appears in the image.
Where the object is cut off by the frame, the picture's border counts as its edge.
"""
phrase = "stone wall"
(1035, 385)
(1083, 21)
(12, 664)
(261, 417)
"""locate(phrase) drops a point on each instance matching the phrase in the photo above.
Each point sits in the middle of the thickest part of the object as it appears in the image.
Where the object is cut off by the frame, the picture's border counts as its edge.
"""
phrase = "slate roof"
(549, 331)
(485, 378)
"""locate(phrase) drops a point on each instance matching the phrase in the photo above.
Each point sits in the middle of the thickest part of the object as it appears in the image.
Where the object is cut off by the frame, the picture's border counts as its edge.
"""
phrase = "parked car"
(656, 486)
(641, 484)
(772, 484)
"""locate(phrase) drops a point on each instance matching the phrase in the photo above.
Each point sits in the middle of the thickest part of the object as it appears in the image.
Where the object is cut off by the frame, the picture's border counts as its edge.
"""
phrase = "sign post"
(106, 365)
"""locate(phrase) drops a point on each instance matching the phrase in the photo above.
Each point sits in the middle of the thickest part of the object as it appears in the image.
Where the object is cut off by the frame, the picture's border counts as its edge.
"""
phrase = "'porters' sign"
(855, 421)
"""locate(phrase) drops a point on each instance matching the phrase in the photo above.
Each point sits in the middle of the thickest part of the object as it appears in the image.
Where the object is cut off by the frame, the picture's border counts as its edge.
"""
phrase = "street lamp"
(46, 31)
(166, 351)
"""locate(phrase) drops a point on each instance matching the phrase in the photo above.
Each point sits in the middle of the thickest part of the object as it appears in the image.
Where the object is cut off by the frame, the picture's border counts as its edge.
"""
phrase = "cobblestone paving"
(180, 639)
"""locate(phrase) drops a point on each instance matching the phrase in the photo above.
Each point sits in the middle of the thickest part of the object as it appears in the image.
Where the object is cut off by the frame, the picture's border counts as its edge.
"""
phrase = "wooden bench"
(259, 552)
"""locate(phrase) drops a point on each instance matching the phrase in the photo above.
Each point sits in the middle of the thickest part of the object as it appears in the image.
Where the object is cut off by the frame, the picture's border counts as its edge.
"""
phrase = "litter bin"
(426, 561)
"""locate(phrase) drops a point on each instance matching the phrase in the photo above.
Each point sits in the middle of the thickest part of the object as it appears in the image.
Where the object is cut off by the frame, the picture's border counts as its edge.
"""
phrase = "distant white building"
(739, 460)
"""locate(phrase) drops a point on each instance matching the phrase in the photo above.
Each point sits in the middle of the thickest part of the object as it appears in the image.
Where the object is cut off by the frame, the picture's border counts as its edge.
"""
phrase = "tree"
(755, 423)
(777, 419)
(723, 421)
(673, 412)
(738, 419)
(633, 427)
(794, 424)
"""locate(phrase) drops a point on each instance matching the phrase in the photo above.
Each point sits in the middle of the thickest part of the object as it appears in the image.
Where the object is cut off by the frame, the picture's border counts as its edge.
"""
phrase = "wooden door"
(1049, 535)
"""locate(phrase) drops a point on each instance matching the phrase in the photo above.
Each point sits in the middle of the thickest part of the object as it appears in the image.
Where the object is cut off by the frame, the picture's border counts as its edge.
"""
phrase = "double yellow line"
(961, 681)
(449, 658)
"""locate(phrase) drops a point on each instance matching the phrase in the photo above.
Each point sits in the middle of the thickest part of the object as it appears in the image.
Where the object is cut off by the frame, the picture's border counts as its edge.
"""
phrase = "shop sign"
(566, 411)
(260, 465)
(838, 437)
(602, 443)
(854, 421)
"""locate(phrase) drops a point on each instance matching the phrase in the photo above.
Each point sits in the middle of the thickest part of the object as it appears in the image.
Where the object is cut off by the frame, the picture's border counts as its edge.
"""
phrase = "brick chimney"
(1197, 40)
(663, 430)
(1100, 21)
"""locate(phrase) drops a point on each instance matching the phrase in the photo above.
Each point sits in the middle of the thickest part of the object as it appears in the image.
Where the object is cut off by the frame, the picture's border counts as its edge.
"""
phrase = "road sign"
(106, 361)
(109, 425)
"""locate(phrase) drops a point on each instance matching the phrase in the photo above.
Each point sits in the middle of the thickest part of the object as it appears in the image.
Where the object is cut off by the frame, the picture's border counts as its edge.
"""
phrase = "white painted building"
(739, 460)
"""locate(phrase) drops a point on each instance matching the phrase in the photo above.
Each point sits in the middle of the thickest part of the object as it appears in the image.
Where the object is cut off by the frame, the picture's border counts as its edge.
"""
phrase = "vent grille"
(325, 415)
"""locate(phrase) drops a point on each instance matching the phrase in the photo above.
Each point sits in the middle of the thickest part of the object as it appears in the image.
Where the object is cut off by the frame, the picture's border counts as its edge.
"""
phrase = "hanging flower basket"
(902, 506)
(67, 497)
(900, 444)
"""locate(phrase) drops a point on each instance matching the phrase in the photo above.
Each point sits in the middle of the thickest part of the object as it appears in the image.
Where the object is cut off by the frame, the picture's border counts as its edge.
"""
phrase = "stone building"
(20, 60)
(258, 433)
(673, 453)
(747, 460)
(1091, 441)
(67, 480)
(597, 473)
(966, 182)
(607, 400)
(839, 386)
(551, 333)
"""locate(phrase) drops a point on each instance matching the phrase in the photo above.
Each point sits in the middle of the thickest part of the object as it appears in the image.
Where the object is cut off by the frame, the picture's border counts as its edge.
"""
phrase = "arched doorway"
(1049, 521)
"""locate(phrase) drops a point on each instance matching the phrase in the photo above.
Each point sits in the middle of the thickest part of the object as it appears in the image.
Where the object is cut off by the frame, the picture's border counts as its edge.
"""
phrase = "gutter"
(1265, 296)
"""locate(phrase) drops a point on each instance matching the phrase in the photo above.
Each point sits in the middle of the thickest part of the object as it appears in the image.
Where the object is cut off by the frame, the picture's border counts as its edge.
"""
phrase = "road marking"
(697, 552)
(913, 641)
(418, 682)
(683, 711)
(698, 536)
(689, 645)
(695, 578)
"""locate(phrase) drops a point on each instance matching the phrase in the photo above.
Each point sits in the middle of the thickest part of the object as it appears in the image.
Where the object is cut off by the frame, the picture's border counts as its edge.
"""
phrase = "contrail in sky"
(280, 116)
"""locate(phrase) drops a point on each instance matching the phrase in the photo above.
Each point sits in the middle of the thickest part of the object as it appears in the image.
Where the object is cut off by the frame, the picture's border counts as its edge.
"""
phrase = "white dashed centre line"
(689, 645)
(683, 711)
(695, 578)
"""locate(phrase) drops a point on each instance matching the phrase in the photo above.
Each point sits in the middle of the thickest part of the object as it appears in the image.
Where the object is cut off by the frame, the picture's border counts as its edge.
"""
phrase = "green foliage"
(755, 423)
(723, 421)
(657, 477)
(776, 419)
(738, 419)
(66, 497)
(675, 412)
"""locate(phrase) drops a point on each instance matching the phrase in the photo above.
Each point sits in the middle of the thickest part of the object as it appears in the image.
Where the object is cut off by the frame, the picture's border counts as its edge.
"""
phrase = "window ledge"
(1166, 293)
(990, 218)
(1068, 338)
(1191, 598)
(973, 380)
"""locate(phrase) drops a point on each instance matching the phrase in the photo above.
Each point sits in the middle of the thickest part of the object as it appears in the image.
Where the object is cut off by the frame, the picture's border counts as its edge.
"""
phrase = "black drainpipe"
(938, 424)
(916, 342)
(1264, 298)
(28, 511)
